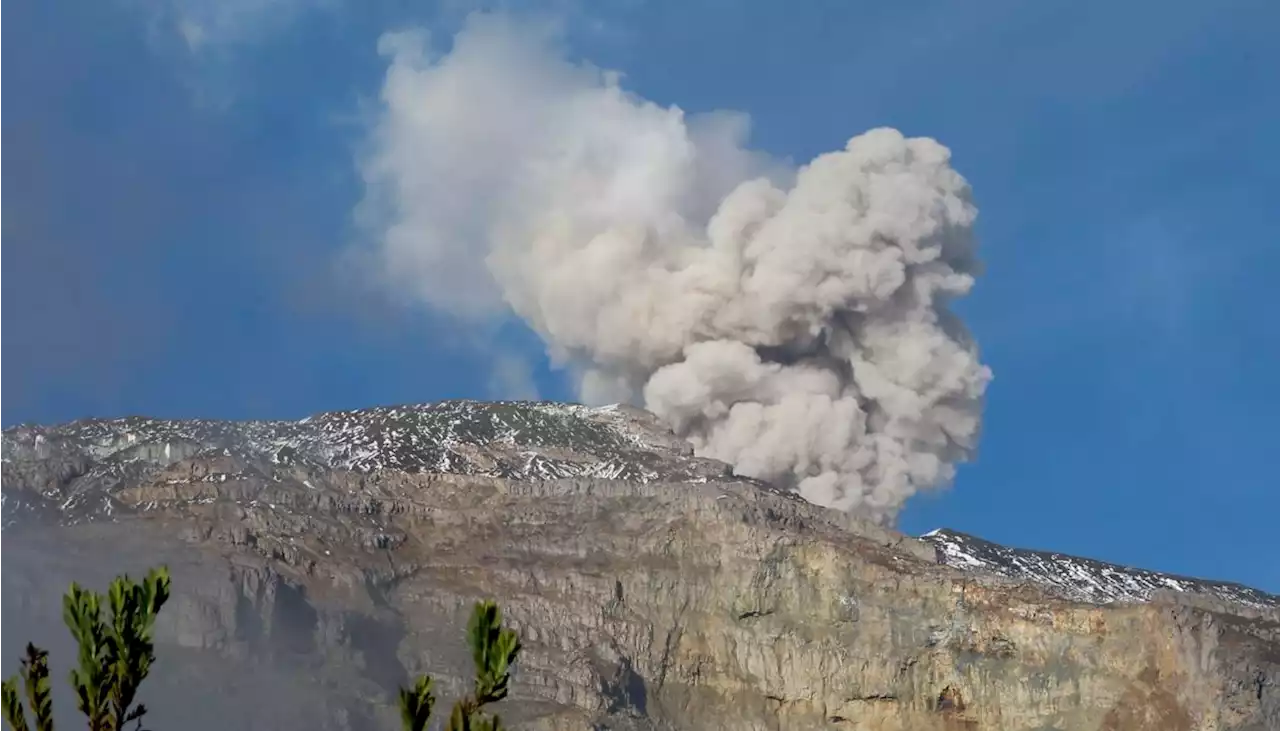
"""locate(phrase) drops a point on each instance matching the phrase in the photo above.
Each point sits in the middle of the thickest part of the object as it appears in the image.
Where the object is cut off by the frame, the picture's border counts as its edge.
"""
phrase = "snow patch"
(1083, 579)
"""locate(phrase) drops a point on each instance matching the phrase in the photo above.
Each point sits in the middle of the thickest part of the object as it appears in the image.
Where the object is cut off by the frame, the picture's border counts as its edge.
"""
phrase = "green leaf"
(416, 704)
(35, 673)
(134, 607)
(82, 613)
(494, 650)
(14, 714)
(460, 718)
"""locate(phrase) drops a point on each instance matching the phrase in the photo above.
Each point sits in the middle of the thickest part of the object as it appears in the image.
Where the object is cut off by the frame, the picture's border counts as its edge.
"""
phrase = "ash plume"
(790, 321)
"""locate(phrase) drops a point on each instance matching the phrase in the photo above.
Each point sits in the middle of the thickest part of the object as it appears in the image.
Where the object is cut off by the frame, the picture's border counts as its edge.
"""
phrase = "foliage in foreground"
(493, 649)
(115, 656)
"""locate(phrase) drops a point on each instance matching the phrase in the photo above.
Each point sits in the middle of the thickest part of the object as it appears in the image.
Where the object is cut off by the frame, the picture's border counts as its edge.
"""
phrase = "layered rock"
(322, 562)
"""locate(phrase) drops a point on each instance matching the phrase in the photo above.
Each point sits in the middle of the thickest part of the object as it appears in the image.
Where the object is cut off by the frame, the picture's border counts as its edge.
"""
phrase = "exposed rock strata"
(322, 562)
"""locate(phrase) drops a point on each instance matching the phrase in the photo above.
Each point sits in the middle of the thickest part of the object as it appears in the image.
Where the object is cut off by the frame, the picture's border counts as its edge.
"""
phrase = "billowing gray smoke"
(790, 322)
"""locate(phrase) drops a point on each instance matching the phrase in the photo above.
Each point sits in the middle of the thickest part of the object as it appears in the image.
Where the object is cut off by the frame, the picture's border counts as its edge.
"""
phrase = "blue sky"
(181, 179)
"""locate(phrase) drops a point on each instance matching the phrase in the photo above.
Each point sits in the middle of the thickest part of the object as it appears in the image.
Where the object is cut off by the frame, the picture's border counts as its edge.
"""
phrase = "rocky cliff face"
(320, 563)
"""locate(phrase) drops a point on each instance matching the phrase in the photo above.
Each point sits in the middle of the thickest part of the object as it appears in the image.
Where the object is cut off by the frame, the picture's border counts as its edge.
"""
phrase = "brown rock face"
(319, 564)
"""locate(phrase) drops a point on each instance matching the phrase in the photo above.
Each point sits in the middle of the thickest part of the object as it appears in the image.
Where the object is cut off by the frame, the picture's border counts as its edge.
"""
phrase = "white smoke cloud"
(206, 26)
(789, 321)
(511, 379)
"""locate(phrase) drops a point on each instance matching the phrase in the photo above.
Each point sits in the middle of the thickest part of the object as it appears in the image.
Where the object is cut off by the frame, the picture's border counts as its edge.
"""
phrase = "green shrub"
(115, 656)
(494, 650)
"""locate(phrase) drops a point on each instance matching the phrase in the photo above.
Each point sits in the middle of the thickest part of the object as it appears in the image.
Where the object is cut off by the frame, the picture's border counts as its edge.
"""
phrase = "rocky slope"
(320, 563)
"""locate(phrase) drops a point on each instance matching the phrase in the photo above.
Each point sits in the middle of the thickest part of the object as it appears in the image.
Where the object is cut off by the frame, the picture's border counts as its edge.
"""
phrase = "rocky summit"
(319, 564)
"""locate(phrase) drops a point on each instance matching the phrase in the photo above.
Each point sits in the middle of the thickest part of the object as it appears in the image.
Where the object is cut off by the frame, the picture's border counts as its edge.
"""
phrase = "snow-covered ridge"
(1083, 579)
(504, 439)
(83, 471)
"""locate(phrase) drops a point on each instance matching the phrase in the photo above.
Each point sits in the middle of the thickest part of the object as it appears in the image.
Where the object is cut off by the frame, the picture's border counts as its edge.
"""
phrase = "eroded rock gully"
(652, 590)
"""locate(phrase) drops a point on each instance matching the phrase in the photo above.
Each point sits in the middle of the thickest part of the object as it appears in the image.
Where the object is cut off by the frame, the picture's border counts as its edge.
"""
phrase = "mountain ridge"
(655, 589)
(428, 437)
